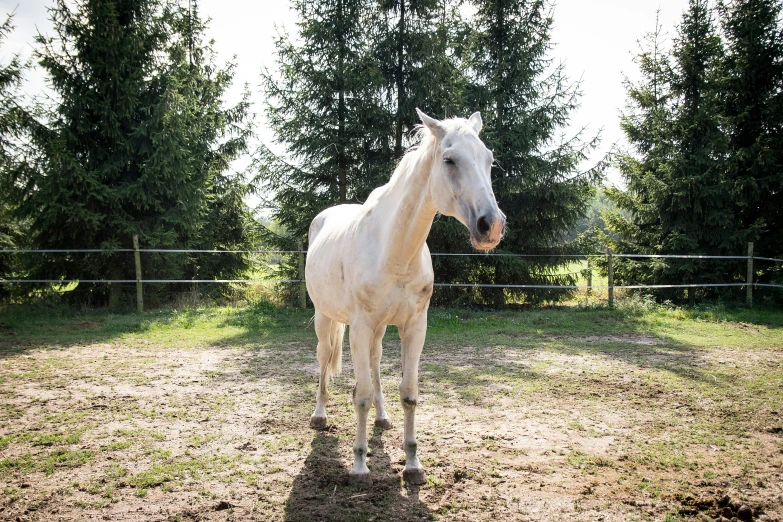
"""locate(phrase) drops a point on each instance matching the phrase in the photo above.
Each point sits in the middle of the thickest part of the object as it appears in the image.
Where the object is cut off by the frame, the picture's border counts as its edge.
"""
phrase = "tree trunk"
(400, 82)
(342, 180)
(499, 97)
(115, 289)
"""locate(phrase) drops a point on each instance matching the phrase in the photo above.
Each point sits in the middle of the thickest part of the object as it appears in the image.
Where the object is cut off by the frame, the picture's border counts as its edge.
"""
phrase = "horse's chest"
(395, 298)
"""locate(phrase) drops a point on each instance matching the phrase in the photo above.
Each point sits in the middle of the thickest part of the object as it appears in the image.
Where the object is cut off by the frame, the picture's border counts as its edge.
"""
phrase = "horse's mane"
(424, 144)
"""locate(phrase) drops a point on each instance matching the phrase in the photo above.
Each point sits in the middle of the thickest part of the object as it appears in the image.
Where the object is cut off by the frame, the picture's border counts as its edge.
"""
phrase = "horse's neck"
(408, 212)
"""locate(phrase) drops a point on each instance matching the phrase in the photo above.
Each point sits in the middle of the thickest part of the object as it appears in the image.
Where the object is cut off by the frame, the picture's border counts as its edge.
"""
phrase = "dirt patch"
(134, 430)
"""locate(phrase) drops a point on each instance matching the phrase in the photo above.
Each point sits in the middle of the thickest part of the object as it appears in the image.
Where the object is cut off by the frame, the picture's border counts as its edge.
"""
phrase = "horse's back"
(333, 220)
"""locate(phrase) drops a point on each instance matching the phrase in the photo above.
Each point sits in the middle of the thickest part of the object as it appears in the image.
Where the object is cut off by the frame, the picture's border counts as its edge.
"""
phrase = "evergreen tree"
(753, 75)
(647, 124)
(11, 118)
(525, 100)
(412, 46)
(678, 188)
(324, 105)
(212, 136)
(134, 145)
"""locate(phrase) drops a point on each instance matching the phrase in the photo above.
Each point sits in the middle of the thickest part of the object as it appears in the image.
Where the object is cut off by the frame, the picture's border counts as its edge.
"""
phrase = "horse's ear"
(435, 126)
(475, 121)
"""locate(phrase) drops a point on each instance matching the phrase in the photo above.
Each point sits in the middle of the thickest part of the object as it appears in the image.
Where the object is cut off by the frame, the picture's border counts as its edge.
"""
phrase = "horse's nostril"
(482, 225)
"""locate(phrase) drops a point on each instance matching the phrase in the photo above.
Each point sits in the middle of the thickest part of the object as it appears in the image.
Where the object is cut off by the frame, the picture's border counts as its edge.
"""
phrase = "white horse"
(368, 266)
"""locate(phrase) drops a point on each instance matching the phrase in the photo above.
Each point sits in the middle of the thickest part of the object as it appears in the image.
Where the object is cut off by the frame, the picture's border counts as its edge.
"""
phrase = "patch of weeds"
(115, 471)
(280, 443)
(587, 462)
(364, 516)
(46, 463)
(651, 487)
(173, 469)
(433, 481)
(250, 478)
(460, 474)
(97, 504)
(58, 439)
(65, 417)
(158, 454)
(117, 445)
(66, 459)
(185, 318)
(472, 394)
(108, 491)
(11, 411)
(197, 441)
(11, 493)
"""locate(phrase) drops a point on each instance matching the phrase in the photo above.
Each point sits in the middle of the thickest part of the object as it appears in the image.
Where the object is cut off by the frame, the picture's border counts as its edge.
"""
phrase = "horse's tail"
(336, 336)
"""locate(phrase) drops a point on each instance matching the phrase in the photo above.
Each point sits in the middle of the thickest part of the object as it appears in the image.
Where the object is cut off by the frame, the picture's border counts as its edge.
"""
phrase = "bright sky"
(596, 40)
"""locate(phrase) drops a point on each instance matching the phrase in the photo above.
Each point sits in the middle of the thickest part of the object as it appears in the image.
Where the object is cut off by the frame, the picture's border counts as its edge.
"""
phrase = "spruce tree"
(678, 190)
(647, 125)
(133, 146)
(324, 106)
(412, 43)
(753, 75)
(11, 126)
(211, 136)
(525, 100)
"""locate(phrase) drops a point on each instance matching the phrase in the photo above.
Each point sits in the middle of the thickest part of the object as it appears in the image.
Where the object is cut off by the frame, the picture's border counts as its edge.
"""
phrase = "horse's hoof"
(318, 423)
(384, 424)
(416, 477)
(359, 480)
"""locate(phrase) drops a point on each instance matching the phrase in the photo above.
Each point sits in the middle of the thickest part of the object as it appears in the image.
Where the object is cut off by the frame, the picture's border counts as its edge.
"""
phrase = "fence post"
(749, 283)
(610, 274)
(137, 257)
(589, 278)
(302, 286)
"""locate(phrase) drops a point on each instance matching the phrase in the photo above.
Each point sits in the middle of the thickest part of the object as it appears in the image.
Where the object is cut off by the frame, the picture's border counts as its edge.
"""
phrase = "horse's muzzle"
(488, 231)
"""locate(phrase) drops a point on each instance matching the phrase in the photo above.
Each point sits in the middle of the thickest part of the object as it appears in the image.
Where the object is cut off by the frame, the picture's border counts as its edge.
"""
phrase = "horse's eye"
(448, 161)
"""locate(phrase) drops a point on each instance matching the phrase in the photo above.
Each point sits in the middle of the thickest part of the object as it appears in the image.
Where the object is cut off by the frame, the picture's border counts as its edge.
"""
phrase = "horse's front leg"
(362, 337)
(412, 337)
(382, 419)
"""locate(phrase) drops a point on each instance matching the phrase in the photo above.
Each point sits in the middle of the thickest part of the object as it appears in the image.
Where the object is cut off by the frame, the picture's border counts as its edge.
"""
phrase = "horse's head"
(460, 182)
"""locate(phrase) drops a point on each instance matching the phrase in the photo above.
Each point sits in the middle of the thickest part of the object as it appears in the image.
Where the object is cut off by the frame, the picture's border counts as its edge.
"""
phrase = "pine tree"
(324, 106)
(753, 73)
(134, 145)
(525, 100)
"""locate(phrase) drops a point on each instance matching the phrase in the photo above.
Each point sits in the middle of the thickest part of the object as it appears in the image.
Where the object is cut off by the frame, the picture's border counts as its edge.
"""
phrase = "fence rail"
(609, 255)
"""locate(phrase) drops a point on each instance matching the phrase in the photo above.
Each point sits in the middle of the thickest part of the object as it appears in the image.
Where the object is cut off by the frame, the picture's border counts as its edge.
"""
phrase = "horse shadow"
(321, 492)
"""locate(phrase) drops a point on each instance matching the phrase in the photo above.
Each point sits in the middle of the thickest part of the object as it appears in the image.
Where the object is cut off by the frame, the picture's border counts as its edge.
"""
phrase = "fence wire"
(435, 254)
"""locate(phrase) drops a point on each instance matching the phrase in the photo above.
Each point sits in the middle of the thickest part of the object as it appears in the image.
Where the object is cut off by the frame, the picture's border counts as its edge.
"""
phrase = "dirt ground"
(551, 426)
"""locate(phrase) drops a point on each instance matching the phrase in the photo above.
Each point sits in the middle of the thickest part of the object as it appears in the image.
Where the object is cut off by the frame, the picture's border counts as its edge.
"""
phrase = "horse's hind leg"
(382, 419)
(325, 329)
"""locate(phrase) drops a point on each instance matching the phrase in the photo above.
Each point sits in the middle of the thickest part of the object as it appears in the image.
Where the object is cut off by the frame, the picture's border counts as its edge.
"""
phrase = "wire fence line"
(301, 252)
(433, 254)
